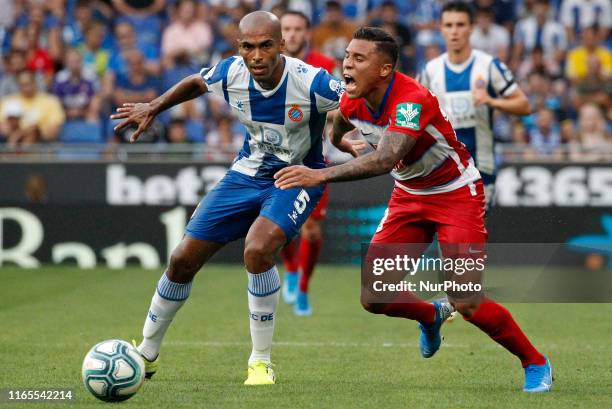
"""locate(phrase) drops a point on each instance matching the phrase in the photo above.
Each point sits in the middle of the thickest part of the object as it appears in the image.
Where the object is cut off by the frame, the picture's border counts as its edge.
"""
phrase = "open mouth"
(351, 84)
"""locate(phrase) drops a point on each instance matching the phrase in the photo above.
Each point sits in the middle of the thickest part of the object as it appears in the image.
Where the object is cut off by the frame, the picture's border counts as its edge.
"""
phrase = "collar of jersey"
(267, 92)
(457, 68)
(376, 115)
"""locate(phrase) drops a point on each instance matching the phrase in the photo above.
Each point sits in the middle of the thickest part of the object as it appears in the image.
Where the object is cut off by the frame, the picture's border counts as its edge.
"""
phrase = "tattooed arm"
(393, 147)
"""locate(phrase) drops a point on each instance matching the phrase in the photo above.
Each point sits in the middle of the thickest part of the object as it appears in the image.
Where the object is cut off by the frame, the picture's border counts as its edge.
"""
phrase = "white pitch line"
(300, 344)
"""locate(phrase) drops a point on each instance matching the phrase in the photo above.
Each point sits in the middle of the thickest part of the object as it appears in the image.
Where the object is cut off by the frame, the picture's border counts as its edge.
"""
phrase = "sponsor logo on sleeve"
(407, 115)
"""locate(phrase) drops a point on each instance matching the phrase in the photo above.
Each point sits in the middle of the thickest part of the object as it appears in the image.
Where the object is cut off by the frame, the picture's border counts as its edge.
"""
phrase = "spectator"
(8, 80)
(186, 36)
(538, 30)
(389, 21)
(81, 16)
(595, 87)
(334, 33)
(40, 114)
(177, 131)
(144, 16)
(545, 136)
(95, 58)
(503, 11)
(577, 15)
(536, 63)
(592, 127)
(38, 31)
(490, 37)
(125, 39)
(223, 138)
(137, 85)
(75, 91)
(577, 59)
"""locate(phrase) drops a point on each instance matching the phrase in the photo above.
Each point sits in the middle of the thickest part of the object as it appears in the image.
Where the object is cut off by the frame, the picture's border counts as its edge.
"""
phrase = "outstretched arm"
(393, 147)
(143, 114)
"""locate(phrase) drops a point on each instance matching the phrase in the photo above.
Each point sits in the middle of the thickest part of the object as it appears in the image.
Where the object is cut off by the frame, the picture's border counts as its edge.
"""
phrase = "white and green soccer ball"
(113, 370)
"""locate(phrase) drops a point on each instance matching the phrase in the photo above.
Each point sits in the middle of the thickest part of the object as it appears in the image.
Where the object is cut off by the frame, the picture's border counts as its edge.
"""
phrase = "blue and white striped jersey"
(453, 85)
(285, 124)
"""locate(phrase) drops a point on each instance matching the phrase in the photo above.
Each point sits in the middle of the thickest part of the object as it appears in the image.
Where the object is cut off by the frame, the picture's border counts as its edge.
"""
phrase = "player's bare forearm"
(142, 115)
(188, 88)
(392, 148)
(515, 104)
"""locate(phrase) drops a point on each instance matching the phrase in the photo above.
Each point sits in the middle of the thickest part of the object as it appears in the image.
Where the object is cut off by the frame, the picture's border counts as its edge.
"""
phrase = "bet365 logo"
(407, 115)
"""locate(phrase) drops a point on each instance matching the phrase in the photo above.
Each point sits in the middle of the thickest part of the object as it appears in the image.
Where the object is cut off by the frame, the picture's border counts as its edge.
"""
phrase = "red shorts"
(457, 217)
(320, 211)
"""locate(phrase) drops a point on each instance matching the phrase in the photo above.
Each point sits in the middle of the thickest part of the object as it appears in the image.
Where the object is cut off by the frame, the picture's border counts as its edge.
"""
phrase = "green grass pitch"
(342, 357)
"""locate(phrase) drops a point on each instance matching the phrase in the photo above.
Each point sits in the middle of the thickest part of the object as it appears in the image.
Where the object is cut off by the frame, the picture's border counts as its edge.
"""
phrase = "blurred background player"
(300, 259)
(437, 190)
(283, 103)
(470, 84)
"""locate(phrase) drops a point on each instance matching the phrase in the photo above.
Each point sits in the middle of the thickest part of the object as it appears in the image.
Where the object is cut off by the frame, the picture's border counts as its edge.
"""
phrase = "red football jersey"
(438, 162)
(320, 61)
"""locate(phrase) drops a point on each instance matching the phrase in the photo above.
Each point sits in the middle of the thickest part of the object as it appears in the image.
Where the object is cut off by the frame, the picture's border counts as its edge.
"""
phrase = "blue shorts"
(226, 213)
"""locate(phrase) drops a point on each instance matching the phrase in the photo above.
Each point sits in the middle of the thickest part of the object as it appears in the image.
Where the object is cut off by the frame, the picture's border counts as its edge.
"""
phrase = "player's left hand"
(298, 176)
(481, 97)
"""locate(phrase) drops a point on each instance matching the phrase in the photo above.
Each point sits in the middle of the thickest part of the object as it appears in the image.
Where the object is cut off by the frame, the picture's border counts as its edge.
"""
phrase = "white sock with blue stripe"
(169, 297)
(263, 298)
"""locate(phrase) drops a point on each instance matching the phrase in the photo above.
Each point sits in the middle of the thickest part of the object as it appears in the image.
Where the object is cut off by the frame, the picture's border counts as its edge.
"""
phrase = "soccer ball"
(113, 370)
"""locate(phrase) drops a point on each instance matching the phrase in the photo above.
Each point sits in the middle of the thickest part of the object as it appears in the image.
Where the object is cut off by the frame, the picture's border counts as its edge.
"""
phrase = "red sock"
(289, 256)
(408, 305)
(497, 322)
(309, 255)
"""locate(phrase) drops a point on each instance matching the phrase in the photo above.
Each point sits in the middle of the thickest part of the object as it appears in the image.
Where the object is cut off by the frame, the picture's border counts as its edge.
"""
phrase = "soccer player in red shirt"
(295, 27)
(437, 189)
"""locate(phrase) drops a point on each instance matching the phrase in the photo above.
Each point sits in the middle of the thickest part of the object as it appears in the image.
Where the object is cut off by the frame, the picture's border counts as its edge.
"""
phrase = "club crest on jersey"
(295, 113)
(407, 115)
(337, 86)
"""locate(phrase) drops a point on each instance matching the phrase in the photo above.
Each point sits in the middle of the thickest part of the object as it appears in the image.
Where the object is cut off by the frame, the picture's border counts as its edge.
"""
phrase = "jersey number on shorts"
(300, 204)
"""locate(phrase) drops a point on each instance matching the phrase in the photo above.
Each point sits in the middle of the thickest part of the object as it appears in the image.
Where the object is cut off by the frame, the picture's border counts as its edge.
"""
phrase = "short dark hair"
(461, 7)
(299, 14)
(385, 43)
(333, 4)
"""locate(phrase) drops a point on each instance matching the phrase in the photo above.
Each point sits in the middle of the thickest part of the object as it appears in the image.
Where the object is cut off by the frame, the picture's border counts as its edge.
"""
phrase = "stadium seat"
(81, 132)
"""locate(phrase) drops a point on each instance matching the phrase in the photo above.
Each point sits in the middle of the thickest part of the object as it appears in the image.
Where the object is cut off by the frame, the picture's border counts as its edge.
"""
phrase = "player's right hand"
(140, 114)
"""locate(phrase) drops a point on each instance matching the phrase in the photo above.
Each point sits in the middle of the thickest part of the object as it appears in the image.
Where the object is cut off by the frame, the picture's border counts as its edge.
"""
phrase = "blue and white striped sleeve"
(216, 77)
(327, 91)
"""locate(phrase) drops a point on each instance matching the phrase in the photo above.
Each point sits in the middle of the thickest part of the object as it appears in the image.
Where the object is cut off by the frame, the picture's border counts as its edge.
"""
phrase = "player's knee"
(256, 252)
(311, 231)
(373, 308)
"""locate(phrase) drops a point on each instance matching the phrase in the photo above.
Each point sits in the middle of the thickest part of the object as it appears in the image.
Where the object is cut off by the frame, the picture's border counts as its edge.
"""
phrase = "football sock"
(263, 297)
(408, 305)
(497, 322)
(169, 297)
(289, 256)
(309, 255)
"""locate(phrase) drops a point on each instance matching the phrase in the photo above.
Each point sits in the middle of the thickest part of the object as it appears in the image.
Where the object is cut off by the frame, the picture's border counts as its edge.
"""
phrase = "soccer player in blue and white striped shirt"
(283, 103)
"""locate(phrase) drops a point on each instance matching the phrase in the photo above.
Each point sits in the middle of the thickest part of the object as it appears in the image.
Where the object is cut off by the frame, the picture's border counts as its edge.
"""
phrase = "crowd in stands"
(67, 64)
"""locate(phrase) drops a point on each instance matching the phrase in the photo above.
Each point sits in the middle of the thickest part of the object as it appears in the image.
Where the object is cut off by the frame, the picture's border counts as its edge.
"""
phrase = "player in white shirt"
(470, 84)
(283, 103)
